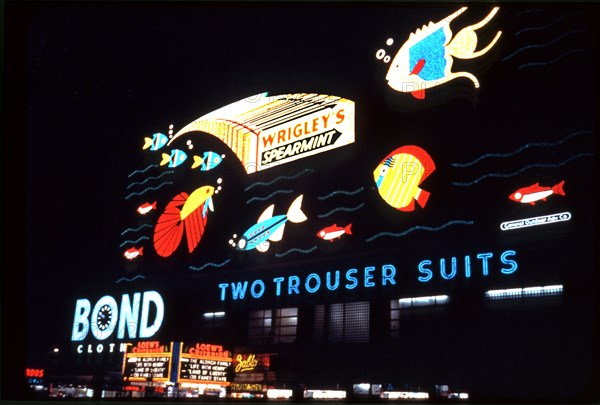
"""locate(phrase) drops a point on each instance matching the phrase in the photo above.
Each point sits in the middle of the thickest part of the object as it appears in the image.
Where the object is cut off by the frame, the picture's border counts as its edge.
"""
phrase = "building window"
(342, 323)
(401, 305)
(273, 326)
(213, 320)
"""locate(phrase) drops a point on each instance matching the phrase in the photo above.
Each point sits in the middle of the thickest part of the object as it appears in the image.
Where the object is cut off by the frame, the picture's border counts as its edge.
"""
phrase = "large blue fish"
(425, 59)
(270, 228)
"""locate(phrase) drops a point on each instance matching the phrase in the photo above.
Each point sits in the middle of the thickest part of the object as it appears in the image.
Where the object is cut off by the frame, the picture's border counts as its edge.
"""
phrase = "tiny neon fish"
(146, 208)
(425, 59)
(399, 174)
(535, 192)
(157, 141)
(208, 161)
(332, 232)
(133, 252)
(270, 228)
(176, 158)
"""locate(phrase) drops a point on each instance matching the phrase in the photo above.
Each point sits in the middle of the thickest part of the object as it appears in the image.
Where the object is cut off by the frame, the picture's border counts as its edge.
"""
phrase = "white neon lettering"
(81, 324)
(129, 316)
(155, 298)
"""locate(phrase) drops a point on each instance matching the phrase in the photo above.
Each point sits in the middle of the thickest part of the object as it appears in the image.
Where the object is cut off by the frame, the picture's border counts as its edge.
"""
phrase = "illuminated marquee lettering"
(294, 285)
(506, 258)
(104, 317)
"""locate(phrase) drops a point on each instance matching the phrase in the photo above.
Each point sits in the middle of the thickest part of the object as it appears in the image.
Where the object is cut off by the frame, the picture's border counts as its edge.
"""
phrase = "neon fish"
(535, 192)
(425, 59)
(401, 172)
(183, 213)
(176, 158)
(133, 252)
(208, 161)
(270, 228)
(157, 141)
(146, 208)
(332, 232)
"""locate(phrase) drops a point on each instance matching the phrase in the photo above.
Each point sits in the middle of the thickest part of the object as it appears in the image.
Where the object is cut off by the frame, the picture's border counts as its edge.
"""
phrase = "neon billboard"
(325, 196)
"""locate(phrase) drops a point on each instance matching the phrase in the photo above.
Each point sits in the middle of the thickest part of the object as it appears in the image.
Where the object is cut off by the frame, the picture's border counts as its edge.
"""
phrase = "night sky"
(85, 82)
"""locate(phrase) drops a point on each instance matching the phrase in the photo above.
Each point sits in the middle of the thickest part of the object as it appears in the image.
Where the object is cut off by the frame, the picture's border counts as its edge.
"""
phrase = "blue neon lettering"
(278, 281)
(238, 290)
(351, 278)
(262, 288)
(385, 276)
(369, 276)
(428, 273)
(223, 287)
(484, 257)
(328, 281)
(293, 283)
(316, 287)
(467, 266)
(513, 264)
(443, 269)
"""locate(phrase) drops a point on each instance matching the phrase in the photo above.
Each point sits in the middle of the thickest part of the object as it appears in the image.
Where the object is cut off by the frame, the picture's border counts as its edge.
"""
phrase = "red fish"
(133, 252)
(535, 192)
(146, 208)
(331, 232)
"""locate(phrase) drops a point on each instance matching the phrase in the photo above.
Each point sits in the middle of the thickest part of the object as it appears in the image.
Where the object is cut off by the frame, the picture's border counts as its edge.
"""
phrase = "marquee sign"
(205, 363)
(148, 361)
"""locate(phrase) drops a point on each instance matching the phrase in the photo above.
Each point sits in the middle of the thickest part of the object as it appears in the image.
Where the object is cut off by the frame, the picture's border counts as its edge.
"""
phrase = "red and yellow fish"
(399, 175)
(184, 213)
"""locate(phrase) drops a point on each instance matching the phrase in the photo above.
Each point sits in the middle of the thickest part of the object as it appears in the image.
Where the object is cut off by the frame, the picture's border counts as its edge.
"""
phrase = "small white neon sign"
(535, 221)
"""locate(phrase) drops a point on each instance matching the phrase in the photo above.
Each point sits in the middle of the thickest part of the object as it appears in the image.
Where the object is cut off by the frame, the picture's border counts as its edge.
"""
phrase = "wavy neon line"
(148, 188)
(269, 196)
(535, 10)
(210, 264)
(340, 192)
(536, 46)
(139, 183)
(130, 279)
(553, 60)
(522, 148)
(359, 206)
(539, 28)
(531, 166)
(136, 229)
(305, 251)
(133, 241)
(262, 183)
(142, 170)
(419, 227)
